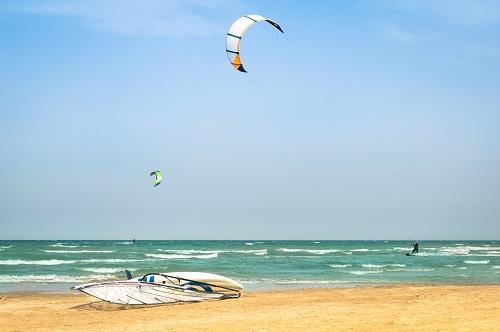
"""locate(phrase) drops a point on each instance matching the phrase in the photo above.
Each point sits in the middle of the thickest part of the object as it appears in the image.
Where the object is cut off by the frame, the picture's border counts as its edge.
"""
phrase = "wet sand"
(374, 308)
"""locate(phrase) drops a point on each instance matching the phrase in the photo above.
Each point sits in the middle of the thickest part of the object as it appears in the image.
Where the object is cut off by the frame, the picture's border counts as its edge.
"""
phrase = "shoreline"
(267, 287)
(370, 307)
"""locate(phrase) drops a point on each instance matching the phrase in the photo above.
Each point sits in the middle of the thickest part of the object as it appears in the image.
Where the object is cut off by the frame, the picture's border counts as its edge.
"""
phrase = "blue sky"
(370, 119)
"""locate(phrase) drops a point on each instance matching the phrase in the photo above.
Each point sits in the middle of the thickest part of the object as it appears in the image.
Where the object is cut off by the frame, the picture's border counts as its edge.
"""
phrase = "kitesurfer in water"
(415, 248)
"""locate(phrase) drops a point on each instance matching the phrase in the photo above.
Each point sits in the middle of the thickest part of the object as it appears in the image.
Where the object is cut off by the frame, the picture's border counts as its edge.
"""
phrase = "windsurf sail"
(160, 288)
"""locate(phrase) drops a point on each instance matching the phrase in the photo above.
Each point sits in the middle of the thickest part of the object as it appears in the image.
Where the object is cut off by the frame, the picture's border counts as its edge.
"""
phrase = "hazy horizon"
(365, 120)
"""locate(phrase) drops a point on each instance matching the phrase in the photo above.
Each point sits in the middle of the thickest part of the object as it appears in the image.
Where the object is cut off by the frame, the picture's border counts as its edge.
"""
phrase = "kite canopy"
(158, 177)
(236, 32)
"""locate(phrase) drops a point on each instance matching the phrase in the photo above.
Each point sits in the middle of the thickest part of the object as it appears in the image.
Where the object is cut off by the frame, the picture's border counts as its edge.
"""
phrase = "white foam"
(105, 269)
(62, 245)
(177, 256)
(259, 252)
(317, 242)
(310, 251)
(128, 242)
(78, 251)
(37, 262)
(401, 249)
(449, 265)
(50, 278)
(495, 267)
(365, 272)
(477, 262)
(421, 270)
(363, 250)
(6, 247)
(370, 266)
(339, 265)
(249, 243)
(110, 260)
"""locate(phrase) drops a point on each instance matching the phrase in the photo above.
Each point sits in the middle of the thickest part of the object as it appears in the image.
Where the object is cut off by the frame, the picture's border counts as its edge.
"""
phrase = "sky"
(368, 119)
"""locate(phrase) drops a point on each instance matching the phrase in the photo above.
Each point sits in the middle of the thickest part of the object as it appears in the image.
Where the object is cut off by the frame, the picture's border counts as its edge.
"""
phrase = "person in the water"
(415, 248)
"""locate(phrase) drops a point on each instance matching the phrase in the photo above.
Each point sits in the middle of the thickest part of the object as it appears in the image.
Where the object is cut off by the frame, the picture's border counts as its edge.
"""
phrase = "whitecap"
(310, 251)
(249, 243)
(370, 266)
(259, 252)
(36, 262)
(6, 247)
(78, 251)
(105, 269)
(339, 265)
(51, 278)
(177, 256)
(365, 272)
(477, 262)
(110, 260)
(62, 245)
(495, 267)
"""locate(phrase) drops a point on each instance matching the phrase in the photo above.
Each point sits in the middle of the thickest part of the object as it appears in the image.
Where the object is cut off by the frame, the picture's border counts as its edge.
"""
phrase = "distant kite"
(236, 32)
(158, 177)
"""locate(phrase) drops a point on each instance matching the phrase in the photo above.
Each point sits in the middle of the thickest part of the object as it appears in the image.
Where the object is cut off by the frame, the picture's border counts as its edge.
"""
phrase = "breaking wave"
(78, 251)
(51, 278)
(310, 251)
(365, 272)
(110, 260)
(477, 262)
(258, 252)
(37, 262)
(177, 256)
(339, 265)
(62, 245)
(105, 269)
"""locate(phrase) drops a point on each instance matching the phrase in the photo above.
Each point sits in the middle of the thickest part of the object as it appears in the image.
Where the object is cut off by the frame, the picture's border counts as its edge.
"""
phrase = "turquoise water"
(58, 265)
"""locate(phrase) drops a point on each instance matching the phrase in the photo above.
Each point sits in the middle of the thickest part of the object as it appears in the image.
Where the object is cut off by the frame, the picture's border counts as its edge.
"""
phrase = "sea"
(56, 266)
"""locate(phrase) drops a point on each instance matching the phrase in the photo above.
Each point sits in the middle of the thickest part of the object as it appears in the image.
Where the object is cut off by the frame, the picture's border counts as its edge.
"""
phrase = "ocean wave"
(49, 278)
(249, 243)
(110, 260)
(477, 262)
(310, 251)
(258, 252)
(37, 262)
(62, 245)
(339, 265)
(365, 272)
(125, 242)
(316, 242)
(463, 268)
(363, 250)
(421, 270)
(6, 247)
(495, 267)
(449, 265)
(401, 249)
(370, 266)
(105, 269)
(78, 251)
(177, 256)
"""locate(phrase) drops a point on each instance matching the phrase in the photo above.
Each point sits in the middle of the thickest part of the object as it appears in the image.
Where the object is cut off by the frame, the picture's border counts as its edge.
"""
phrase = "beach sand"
(373, 308)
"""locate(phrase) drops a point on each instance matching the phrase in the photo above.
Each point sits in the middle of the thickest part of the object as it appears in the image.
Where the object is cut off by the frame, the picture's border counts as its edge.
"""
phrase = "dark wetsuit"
(415, 248)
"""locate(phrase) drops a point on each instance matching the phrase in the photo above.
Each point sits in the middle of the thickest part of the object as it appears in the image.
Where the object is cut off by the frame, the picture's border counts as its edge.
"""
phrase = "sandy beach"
(375, 308)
